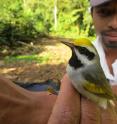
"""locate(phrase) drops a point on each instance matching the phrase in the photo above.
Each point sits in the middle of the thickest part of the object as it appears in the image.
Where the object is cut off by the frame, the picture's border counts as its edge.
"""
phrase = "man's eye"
(104, 12)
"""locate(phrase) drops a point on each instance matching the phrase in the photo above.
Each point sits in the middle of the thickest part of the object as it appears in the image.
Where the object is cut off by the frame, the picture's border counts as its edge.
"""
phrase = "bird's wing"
(96, 81)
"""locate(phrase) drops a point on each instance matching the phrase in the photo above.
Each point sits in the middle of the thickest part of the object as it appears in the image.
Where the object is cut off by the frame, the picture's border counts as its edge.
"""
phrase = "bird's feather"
(97, 81)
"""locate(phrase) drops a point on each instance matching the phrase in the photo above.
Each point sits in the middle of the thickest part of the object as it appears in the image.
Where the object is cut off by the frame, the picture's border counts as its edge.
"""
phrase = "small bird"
(86, 74)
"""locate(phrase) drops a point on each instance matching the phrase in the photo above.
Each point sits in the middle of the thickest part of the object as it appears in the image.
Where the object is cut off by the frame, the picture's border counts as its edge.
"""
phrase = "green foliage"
(27, 58)
(74, 19)
(22, 20)
(27, 19)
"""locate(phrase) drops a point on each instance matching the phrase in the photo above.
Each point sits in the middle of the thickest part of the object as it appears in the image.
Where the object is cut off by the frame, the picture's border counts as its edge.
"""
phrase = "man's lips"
(112, 37)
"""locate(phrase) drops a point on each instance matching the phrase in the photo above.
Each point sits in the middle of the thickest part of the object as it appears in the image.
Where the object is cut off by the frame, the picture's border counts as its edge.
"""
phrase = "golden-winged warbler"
(86, 74)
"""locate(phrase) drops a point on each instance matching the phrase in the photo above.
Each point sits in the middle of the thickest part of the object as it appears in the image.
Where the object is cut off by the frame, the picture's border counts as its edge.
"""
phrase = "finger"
(67, 106)
(90, 113)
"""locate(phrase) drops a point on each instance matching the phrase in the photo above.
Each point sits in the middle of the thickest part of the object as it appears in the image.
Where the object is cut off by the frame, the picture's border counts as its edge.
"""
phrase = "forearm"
(20, 106)
(8, 88)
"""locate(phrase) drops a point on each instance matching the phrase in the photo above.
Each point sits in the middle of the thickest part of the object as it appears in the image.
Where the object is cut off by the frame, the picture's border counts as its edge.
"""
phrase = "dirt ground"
(54, 68)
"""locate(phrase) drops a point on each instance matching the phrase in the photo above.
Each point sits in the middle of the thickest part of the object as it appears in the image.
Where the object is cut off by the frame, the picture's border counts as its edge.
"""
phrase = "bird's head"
(83, 51)
(81, 42)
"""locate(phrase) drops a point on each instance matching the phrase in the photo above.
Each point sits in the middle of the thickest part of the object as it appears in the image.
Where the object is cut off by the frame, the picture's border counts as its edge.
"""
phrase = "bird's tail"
(112, 109)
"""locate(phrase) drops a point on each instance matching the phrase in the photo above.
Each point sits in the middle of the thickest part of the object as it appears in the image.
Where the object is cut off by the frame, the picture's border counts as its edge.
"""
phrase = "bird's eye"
(84, 51)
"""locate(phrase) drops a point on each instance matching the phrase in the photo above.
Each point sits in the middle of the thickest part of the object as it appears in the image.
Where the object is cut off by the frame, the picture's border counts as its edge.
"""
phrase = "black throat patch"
(74, 61)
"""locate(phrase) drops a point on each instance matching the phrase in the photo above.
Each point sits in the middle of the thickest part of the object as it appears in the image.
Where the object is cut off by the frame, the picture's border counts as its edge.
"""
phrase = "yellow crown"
(82, 42)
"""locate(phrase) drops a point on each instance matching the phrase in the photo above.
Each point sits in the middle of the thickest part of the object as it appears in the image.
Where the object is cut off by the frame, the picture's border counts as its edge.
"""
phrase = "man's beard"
(109, 44)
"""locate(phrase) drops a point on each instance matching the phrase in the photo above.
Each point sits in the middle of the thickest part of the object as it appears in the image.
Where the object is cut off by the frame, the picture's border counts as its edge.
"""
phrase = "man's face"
(105, 22)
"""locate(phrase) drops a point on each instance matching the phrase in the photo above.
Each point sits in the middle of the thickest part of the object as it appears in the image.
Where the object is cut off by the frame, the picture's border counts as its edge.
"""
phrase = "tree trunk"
(55, 14)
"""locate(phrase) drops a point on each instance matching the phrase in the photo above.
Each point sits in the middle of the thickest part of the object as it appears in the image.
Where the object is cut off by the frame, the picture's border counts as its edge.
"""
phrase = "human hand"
(92, 114)
(70, 109)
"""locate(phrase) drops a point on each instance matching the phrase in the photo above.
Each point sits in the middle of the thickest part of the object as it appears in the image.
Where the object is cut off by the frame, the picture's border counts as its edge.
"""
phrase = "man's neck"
(111, 56)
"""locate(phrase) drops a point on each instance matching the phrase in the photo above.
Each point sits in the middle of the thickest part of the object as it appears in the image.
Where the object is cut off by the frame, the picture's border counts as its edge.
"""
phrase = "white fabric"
(103, 62)
(97, 2)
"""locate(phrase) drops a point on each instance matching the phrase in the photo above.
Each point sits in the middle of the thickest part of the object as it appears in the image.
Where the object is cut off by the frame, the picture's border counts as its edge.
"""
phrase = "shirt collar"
(98, 45)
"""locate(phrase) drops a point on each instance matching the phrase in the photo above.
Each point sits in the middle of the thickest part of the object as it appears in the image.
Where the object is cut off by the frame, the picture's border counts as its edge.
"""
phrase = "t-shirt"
(112, 78)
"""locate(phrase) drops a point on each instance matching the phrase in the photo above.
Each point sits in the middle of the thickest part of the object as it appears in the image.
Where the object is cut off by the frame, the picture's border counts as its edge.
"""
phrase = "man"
(104, 14)
(19, 106)
(105, 22)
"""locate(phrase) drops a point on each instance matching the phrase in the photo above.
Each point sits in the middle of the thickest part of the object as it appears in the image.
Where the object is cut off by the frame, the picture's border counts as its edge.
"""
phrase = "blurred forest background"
(29, 36)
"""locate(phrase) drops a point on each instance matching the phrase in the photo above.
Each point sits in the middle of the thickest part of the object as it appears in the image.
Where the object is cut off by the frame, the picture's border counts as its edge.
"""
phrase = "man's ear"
(91, 10)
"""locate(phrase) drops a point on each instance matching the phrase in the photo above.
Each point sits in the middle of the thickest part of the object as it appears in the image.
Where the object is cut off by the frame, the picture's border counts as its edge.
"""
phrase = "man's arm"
(20, 106)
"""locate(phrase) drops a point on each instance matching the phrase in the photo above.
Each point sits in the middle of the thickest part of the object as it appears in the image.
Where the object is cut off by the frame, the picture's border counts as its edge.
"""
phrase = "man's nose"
(113, 22)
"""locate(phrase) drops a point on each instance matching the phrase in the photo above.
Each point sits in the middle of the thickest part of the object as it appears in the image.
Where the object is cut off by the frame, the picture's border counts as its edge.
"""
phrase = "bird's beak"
(69, 44)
